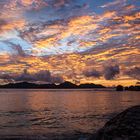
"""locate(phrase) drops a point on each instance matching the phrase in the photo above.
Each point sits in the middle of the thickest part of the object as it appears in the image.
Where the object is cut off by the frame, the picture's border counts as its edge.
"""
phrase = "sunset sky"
(81, 41)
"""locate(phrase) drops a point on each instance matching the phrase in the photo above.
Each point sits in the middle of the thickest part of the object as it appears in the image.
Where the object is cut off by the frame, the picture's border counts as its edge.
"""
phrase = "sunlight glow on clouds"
(71, 40)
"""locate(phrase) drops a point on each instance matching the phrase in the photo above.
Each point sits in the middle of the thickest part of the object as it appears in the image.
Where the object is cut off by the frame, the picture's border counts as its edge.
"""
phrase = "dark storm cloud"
(92, 73)
(40, 76)
(5, 76)
(57, 79)
(110, 72)
(133, 72)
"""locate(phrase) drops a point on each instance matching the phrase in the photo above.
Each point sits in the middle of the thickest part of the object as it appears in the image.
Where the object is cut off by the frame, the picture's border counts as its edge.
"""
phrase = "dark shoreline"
(124, 126)
(67, 85)
(62, 89)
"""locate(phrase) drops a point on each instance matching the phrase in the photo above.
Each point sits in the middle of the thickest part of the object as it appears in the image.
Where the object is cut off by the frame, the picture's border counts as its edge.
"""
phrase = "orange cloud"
(19, 24)
(110, 36)
(46, 43)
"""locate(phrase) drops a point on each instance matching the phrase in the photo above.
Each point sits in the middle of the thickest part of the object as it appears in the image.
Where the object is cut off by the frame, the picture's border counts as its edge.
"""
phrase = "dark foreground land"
(124, 126)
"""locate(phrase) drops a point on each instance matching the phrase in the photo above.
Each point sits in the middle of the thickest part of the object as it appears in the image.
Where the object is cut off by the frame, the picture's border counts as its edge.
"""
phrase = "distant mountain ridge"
(65, 85)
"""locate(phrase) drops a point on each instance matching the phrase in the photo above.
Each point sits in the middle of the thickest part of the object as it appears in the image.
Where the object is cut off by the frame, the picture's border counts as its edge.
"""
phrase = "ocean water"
(59, 114)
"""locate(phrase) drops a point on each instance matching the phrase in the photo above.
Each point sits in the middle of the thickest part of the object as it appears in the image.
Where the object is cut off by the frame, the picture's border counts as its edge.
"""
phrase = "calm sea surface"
(56, 113)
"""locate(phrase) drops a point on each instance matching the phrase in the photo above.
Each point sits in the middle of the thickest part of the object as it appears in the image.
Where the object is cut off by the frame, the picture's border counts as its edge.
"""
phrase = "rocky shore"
(125, 126)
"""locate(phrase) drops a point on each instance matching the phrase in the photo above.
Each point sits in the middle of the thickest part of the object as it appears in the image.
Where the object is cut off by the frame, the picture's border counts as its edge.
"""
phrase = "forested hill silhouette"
(65, 85)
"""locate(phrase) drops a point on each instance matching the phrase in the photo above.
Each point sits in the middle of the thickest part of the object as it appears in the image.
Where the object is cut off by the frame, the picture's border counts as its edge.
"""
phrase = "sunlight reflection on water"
(42, 112)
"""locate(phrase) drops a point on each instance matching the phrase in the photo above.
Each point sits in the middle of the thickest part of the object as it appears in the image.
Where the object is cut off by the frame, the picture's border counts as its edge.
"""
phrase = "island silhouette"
(65, 85)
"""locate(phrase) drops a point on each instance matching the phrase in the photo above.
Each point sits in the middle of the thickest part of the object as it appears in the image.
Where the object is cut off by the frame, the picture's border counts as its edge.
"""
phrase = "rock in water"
(125, 126)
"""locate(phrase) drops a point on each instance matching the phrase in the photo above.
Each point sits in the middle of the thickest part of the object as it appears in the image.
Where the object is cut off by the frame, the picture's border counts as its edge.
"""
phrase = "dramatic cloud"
(72, 39)
(111, 71)
(134, 72)
(41, 76)
(108, 72)
(92, 73)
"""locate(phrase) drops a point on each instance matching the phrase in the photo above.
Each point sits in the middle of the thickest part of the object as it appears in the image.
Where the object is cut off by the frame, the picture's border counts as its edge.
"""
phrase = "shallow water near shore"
(59, 114)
